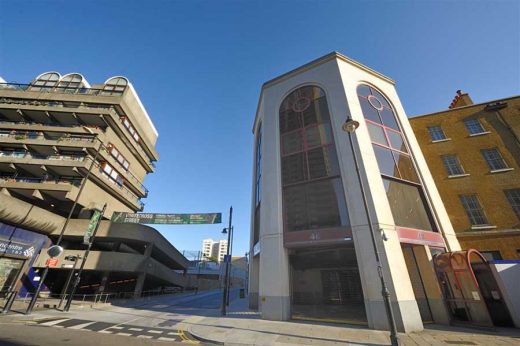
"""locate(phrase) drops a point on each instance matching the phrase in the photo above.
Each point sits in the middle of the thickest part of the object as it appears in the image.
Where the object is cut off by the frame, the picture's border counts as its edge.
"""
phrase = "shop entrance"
(417, 283)
(10, 269)
(325, 285)
(470, 290)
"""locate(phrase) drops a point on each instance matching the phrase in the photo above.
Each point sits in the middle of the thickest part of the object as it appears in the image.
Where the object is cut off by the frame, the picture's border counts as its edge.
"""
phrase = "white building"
(312, 253)
(214, 249)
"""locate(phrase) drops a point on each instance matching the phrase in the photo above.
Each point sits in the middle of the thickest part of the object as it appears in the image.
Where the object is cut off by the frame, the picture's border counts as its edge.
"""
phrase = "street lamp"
(227, 260)
(350, 127)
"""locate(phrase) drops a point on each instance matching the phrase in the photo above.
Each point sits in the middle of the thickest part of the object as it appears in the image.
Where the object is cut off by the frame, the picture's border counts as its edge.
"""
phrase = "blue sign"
(227, 258)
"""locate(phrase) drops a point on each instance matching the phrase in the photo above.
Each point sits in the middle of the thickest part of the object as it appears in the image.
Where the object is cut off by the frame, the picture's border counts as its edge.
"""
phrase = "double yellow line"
(185, 338)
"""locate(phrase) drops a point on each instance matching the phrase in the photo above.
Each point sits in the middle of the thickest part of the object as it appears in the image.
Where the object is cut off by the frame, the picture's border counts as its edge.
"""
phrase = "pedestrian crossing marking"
(81, 326)
(121, 329)
(53, 322)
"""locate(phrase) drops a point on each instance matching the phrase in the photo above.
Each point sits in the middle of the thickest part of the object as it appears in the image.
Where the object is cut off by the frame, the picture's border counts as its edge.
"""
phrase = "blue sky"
(198, 67)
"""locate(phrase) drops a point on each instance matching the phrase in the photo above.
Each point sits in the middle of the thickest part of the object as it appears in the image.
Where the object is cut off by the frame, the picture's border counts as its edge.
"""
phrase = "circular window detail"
(301, 104)
(374, 102)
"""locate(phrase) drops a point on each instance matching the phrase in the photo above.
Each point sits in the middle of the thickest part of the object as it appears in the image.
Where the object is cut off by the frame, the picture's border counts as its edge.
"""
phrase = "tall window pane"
(310, 171)
(404, 190)
(436, 133)
(474, 210)
(452, 165)
(494, 159)
(513, 196)
(474, 126)
(407, 205)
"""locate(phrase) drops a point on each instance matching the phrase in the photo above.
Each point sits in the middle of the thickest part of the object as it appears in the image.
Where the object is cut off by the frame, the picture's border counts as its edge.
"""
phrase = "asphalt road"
(154, 321)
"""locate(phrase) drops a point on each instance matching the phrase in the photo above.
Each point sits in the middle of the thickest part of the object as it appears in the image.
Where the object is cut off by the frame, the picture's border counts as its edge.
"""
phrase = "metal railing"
(72, 181)
(27, 154)
(49, 300)
(61, 89)
(18, 135)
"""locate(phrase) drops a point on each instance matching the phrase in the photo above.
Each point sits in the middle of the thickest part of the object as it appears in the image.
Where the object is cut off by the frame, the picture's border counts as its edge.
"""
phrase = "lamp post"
(350, 127)
(229, 232)
(69, 216)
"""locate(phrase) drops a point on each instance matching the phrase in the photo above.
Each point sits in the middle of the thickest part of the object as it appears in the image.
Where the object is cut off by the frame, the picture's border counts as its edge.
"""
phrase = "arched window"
(70, 83)
(313, 194)
(115, 86)
(45, 82)
(403, 188)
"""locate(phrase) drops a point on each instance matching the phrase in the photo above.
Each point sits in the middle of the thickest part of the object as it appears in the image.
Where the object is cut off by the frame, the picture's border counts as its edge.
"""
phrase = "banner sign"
(12, 248)
(167, 219)
(91, 226)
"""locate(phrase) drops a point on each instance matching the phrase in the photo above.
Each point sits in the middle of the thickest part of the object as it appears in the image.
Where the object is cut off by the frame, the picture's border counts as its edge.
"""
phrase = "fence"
(9, 301)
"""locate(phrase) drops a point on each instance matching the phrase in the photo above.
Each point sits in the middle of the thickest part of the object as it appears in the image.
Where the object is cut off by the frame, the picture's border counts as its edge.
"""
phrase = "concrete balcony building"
(55, 130)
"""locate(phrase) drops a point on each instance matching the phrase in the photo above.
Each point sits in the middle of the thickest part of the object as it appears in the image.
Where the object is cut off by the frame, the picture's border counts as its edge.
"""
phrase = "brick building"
(473, 152)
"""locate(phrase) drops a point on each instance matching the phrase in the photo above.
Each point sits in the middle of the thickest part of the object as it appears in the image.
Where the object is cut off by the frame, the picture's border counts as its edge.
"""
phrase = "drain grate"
(456, 342)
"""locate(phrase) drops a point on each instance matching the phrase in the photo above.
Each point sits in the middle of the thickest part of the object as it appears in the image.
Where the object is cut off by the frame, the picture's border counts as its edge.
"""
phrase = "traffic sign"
(167, 219)
(227, 258)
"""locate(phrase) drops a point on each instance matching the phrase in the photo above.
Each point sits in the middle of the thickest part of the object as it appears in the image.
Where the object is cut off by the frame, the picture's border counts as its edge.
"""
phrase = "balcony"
(41, 166)
(45, 113)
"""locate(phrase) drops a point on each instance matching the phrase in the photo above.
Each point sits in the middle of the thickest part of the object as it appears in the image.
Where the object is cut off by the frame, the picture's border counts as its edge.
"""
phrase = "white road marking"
(166, 339)
(115, 327)
(105, 331)
(136, 329)
(155, 331)
(83, 325)
(51, 323)
(172, 333)
(144, 336)
(125, 334)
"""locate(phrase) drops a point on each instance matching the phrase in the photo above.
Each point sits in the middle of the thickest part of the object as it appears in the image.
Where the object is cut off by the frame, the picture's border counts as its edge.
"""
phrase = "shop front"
(18, 250)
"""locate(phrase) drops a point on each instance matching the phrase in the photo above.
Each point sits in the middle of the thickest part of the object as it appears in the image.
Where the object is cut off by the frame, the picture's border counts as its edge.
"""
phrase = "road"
(140, 322)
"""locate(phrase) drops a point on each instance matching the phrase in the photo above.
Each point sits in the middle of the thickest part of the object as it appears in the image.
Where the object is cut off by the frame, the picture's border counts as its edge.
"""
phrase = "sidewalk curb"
(205, 339)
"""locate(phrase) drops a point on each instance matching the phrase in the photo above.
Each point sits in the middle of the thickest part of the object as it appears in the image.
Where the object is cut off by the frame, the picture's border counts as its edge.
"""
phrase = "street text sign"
(167, 219)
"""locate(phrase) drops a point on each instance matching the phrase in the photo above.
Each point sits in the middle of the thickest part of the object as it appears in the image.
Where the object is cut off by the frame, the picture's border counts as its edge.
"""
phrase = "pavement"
(189, 318)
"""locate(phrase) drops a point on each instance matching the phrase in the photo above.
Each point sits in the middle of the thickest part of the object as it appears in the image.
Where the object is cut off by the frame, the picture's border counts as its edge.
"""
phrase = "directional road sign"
(167, 219)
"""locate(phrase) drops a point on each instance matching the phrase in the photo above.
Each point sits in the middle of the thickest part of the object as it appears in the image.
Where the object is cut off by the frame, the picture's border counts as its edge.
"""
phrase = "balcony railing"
(60, 89)
(26, 154)
(18, 135)
(72, 181)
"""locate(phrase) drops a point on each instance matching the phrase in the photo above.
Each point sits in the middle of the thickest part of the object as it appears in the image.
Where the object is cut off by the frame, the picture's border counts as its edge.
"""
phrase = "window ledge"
(441, 140)
(458, 176)
(477, 227)
(501, 170)
(479, 134)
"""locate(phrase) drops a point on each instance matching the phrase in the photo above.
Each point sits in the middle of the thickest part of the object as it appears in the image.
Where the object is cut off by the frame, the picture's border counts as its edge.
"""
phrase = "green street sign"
(167, 219)
(92, 226)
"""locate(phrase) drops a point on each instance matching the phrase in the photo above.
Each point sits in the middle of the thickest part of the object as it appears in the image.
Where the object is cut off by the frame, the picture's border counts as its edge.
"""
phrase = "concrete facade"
(499, 236)
(55, 130)
(270, 279)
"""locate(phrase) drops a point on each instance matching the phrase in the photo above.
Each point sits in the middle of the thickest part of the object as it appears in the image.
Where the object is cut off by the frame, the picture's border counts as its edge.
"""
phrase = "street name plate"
(167, 219)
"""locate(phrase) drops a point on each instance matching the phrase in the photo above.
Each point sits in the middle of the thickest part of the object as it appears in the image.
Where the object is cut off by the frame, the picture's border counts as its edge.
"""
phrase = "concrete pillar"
(438, 308)
(142, 275)
(274, 275)
(253, 287)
